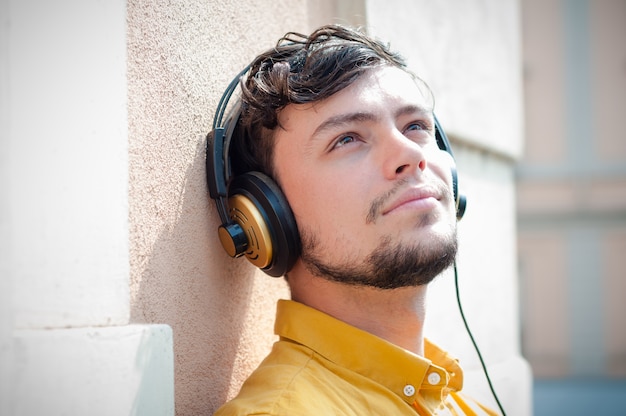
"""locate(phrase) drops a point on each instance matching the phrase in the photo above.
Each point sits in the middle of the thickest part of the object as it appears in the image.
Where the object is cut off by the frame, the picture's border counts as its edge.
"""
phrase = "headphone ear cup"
(259, 206)
(459, 200)
(443, 143)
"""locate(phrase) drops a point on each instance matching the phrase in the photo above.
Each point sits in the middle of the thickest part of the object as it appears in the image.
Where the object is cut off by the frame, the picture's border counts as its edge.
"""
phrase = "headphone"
(256, 220)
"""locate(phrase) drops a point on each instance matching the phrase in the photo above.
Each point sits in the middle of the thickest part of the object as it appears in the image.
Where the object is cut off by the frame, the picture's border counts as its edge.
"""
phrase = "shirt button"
(409, 390)
(434, 378)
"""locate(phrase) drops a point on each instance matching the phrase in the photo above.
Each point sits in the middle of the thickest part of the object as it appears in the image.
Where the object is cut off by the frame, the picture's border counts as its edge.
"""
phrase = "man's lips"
(422, 197)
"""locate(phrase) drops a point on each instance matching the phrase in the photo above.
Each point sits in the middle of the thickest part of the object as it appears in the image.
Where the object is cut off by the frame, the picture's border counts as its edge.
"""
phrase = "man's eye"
(420, 131)
(415, 126)
(344, 140)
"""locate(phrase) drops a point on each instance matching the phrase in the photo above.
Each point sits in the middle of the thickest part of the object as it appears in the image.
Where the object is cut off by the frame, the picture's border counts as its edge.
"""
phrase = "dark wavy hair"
(300, 69)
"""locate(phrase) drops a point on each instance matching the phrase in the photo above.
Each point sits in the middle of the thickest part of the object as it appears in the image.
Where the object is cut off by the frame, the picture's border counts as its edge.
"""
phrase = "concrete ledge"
(126, 370)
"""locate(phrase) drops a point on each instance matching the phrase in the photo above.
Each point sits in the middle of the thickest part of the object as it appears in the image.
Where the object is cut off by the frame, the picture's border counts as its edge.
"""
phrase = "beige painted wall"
(180, 58)
(66, 345)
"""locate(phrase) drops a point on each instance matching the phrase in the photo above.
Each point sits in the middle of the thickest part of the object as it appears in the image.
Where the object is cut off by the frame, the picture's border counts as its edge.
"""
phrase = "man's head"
(298, 70)
(348, 133)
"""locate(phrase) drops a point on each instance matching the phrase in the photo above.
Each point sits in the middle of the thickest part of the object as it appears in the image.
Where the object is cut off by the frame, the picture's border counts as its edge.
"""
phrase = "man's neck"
(394, 315)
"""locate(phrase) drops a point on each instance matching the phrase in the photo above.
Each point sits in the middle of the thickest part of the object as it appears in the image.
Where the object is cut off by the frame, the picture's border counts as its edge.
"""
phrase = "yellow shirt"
(322, 366)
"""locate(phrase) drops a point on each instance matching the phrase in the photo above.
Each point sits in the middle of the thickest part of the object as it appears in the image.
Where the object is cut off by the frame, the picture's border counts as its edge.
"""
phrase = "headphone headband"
(218, 146)
(256, 219)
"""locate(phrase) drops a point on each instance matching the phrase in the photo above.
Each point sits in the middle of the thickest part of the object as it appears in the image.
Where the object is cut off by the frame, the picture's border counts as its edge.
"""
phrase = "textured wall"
(181, 56)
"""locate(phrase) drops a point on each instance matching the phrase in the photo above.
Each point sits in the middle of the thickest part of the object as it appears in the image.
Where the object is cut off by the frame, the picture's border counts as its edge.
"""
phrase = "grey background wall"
(572, 189)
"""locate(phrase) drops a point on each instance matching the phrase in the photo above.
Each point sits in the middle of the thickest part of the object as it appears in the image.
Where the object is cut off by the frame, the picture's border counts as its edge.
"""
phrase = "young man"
(348, 134)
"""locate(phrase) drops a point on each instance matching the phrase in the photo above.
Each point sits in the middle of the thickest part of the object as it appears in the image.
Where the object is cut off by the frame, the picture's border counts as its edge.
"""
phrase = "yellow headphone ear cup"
(244, 212)
(261, 209)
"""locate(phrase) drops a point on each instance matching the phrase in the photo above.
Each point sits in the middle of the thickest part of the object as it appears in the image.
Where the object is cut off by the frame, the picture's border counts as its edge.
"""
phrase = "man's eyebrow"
(414, 109)
(343, 119)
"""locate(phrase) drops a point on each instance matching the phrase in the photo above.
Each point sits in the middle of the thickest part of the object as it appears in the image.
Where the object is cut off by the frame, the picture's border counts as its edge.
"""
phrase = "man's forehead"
(398, 90)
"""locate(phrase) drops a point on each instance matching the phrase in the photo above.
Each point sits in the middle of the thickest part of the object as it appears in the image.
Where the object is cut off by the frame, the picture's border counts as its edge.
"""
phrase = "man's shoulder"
(287, 380)
(295, 380)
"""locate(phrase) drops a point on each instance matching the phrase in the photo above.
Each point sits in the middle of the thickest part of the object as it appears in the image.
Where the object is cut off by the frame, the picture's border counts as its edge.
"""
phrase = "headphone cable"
(480, 357)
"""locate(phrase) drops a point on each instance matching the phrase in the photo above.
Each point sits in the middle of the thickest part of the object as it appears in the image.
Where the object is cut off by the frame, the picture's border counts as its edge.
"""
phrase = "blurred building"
(571, 195)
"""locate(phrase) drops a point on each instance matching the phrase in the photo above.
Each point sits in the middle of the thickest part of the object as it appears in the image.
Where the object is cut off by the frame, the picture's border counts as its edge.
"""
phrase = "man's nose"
(402, 156)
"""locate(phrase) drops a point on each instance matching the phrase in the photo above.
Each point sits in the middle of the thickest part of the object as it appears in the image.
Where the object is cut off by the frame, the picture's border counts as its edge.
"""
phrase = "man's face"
(368, 185)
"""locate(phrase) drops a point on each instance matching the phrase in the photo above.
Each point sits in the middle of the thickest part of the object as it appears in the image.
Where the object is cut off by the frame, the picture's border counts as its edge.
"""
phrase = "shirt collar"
(401, 371)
